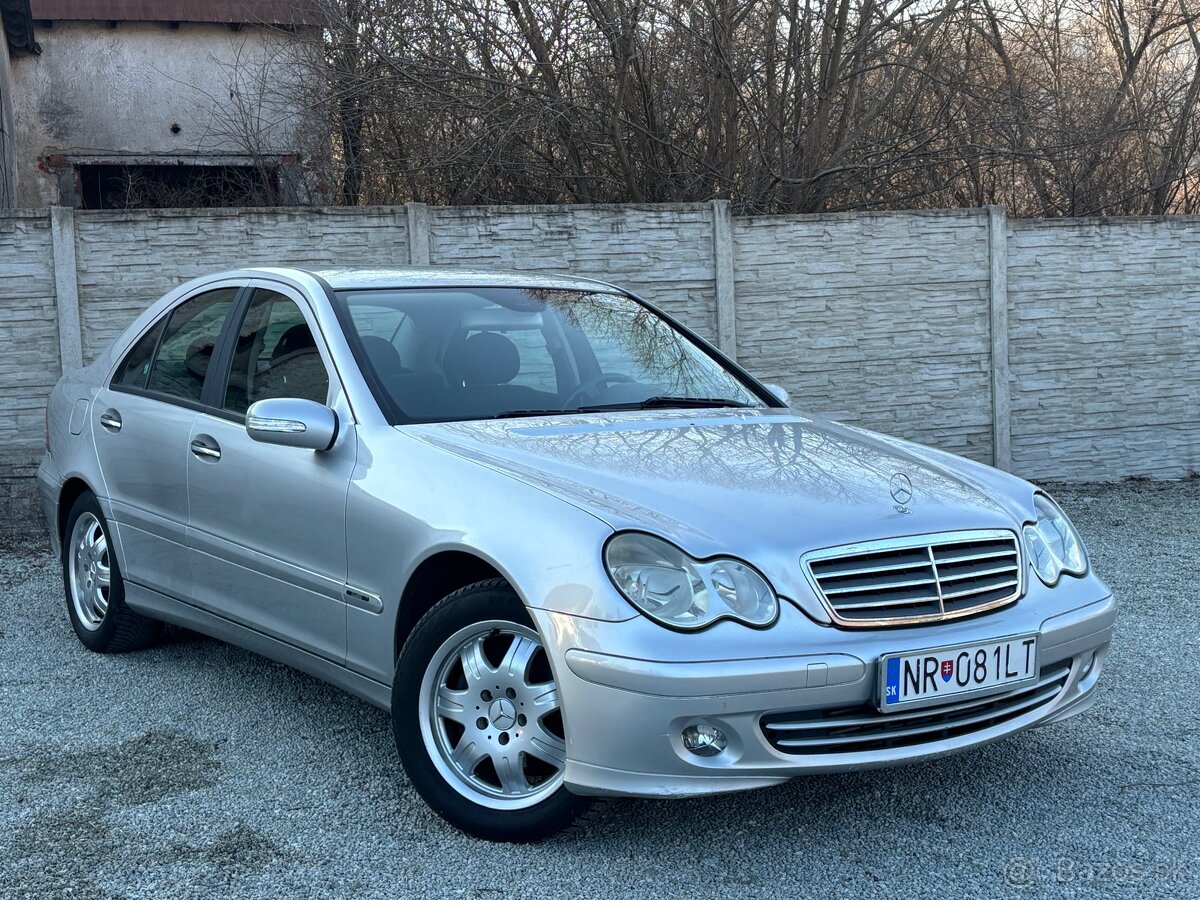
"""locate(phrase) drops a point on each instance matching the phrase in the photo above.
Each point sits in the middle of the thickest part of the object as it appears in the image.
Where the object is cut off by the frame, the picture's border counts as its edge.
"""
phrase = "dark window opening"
(164, 186)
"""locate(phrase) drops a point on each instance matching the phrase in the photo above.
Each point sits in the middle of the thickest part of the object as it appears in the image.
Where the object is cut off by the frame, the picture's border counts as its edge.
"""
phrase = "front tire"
(94, 587)
(476, 717)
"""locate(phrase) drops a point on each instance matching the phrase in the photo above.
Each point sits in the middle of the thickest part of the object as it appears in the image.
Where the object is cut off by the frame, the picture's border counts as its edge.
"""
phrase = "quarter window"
(187, 345)
(276, 356)
(135, 367)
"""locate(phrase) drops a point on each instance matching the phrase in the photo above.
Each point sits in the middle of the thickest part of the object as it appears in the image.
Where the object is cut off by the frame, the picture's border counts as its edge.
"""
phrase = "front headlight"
(681, 592)
(1053, 543)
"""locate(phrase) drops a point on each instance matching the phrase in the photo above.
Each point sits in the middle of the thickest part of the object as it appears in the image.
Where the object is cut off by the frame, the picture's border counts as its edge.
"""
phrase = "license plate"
(924, 677)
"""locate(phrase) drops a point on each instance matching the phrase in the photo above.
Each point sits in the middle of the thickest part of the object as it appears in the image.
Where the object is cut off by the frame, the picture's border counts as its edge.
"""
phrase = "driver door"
(267, 525)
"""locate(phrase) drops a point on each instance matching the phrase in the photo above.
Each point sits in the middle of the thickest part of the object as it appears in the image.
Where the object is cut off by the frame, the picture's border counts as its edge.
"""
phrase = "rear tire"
(476, 718)
(94, 588)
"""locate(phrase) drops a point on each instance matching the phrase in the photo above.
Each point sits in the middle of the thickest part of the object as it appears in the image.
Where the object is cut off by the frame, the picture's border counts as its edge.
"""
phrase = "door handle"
(111, 419)
(206, 448)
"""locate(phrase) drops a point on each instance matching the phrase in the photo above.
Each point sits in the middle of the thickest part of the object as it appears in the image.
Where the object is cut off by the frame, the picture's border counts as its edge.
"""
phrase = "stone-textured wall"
(664, 252)
(879, 320)
(29, 361)
(882, 320)
(21, 515)
(1104, 347)
(127, 260)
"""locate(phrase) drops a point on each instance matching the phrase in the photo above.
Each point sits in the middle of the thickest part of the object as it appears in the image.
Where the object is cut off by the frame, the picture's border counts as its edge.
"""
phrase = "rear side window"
(135, 367)
(187, 344)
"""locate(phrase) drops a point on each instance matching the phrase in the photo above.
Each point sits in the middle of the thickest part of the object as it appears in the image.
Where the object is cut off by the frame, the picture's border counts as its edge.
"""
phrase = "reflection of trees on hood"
(791, 458)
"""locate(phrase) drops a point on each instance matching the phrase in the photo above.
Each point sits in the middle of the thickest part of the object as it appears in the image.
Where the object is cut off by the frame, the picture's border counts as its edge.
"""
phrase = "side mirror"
(292, 423)
(779, 393)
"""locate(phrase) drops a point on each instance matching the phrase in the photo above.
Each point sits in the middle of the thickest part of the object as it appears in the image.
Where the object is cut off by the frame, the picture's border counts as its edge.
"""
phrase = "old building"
(149, 103)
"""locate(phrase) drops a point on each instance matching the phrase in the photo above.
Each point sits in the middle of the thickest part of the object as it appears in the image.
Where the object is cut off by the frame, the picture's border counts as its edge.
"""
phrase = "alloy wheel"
(90, 571)
(490, 716)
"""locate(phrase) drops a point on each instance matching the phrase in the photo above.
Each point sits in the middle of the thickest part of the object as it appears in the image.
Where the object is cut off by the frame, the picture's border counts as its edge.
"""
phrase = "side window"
(135, 367)
(276, 356)
(187, 344)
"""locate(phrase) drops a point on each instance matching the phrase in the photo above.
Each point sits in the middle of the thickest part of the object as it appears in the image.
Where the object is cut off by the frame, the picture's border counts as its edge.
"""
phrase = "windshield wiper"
(663, 402)
(526, 413)
(666, 402)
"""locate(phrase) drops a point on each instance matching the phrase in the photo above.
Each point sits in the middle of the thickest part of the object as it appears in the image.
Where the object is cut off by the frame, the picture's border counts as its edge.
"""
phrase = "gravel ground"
(199, 769)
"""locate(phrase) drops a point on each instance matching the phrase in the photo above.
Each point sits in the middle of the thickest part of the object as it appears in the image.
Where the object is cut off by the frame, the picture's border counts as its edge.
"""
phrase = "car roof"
(367, 279)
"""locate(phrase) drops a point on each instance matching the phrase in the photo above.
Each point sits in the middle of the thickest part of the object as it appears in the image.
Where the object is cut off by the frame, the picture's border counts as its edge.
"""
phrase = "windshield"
(450, 354)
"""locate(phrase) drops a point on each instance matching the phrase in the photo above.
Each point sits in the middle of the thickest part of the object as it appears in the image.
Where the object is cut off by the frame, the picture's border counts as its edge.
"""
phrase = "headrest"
(199, 355)
(384, 356)
(295, 339)
(483, 358)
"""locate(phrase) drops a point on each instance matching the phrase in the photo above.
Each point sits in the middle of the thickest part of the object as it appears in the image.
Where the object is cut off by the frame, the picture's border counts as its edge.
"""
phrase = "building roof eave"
(290, 13)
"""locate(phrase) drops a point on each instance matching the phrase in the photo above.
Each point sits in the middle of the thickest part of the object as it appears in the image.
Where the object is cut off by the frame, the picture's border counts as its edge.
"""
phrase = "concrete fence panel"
(30, 360)
(1058, 349)
(29, 351)
(127, 260)
(878, 320)
(1104, 346)
(664, 252)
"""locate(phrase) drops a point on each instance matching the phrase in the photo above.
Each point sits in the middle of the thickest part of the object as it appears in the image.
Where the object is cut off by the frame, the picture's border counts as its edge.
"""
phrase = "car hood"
(739, 481)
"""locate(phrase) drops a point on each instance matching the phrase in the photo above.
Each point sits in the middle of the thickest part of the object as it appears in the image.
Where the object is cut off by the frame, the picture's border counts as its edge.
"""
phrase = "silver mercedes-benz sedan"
(573, 549)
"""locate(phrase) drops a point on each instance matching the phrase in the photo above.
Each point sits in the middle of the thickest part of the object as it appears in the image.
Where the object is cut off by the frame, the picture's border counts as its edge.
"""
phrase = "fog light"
(704, 739)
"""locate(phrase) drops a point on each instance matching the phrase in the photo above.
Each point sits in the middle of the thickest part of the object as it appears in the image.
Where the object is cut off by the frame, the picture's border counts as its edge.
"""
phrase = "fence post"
(722, 223)
(998, 304)
(418, 233)
(66, 287)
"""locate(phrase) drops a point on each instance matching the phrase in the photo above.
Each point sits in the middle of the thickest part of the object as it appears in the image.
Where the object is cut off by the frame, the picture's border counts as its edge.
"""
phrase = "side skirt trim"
(177, 612)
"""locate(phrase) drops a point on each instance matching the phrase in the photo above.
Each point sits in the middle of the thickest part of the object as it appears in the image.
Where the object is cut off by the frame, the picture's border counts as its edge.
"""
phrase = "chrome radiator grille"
(864, 728)
(927, 578)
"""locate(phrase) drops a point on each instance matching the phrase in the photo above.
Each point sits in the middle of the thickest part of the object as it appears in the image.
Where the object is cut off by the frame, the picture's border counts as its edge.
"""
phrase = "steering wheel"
(589, 386)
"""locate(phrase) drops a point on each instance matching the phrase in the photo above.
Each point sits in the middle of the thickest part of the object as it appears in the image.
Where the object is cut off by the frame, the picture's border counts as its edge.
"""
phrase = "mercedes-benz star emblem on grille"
(901, 488)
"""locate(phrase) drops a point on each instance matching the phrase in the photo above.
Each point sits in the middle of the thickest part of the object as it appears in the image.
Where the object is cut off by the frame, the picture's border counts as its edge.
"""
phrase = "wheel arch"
(438, 575)
(72, 489)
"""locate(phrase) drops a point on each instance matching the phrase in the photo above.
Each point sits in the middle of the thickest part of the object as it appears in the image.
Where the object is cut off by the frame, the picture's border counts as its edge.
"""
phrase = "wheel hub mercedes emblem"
(502, 713)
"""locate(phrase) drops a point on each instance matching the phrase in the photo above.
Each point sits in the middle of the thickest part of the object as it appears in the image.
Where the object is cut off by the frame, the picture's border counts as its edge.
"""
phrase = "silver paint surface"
(261, 546)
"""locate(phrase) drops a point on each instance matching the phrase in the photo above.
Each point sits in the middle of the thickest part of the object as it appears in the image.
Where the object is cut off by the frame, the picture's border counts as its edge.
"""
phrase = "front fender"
(409, 500)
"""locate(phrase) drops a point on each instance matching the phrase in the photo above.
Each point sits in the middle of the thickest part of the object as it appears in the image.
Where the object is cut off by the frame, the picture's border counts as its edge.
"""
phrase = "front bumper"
(629, 689)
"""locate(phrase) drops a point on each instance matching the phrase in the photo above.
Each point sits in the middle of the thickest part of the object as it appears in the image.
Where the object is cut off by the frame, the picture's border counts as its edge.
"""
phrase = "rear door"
(267, 524)
(142, 421)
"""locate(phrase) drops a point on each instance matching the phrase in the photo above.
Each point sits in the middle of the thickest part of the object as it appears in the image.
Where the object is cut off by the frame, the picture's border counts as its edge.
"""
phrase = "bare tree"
(1053, 107)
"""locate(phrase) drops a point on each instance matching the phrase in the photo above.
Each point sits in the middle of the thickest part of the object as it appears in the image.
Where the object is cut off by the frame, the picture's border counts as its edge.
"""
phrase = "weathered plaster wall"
(8, 196)
(99, 91)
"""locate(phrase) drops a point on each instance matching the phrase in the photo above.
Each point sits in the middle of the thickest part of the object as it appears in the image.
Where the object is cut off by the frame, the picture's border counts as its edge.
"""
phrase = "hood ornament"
(902, 491)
